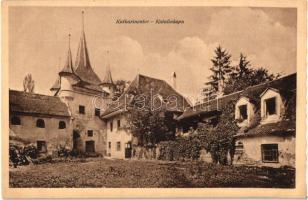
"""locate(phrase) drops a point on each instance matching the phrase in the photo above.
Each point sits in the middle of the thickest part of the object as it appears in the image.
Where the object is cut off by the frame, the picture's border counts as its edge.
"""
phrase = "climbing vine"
(219, 140)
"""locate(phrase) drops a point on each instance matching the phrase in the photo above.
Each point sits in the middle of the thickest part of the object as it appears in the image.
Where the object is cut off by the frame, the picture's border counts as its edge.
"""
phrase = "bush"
(22, 155)
(180, 149)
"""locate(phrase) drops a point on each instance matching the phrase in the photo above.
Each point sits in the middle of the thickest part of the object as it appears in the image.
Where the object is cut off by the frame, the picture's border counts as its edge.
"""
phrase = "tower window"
(15, 120)
(111, 126)
(40, 123)
(119, 123)
(109, 145)
(62, 125)
(97, 112)
(82, 109)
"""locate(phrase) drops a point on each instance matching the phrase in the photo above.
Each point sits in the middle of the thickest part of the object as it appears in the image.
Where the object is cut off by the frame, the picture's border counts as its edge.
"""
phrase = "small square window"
(269, 152)
(82, 109)
(40, 123)
(97, 112)
(90, 133)
(118, 146)
(62, 125)
(270, 106)
(243, 112)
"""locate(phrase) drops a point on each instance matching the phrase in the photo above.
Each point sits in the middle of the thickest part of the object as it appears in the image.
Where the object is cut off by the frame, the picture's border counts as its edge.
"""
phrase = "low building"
(119, 138)
(266, 117)
(70, 117)
(40, 120)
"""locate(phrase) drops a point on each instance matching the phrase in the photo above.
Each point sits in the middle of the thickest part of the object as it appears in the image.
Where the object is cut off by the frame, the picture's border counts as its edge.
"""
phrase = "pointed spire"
(82, 65)
(82, 20)
(68, 67)
(108, 78)
(173, 80)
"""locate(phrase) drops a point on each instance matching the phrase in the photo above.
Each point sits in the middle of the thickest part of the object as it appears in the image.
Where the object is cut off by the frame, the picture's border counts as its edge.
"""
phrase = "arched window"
(40, 123)
(62, 125)
(15, 120)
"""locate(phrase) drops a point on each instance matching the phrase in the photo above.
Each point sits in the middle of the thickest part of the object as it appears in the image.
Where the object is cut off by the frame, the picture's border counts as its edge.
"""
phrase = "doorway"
(128, 150)
(90, 146)
(76, 140)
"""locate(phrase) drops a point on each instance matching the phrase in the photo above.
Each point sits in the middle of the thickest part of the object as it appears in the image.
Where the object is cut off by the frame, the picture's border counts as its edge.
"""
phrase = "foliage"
(148, 125)
(109, 173)
(219, 140)
(221, 68)
(120, 87)
(180, 149)
(243, 76)
(28, 83)
(22, 155)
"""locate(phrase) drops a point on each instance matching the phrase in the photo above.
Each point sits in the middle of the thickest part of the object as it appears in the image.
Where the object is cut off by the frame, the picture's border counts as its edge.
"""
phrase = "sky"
(38, 42)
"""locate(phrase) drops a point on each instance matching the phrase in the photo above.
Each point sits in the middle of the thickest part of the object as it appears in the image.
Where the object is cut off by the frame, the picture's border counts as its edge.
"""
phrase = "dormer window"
(244, 111)
(271, 106)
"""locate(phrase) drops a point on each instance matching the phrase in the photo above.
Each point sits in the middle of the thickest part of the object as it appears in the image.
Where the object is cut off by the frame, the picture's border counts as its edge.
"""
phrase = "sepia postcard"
(153, 99)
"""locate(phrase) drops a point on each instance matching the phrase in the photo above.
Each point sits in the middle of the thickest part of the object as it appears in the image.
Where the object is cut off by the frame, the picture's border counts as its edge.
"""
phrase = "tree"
(221, 68)
(147, 125)
(120, 87)
(261, 75)
(240, 77)
(243, 76)
(28, 83)
(219, 140)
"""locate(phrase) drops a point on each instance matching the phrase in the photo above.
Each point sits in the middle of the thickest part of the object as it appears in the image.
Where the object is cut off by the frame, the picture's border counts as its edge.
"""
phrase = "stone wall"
(87, 121)
(51, 134)
(251, 153)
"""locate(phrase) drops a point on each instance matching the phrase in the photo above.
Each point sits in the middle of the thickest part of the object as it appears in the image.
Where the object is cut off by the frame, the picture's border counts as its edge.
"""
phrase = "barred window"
(269, 152)
(90, 133)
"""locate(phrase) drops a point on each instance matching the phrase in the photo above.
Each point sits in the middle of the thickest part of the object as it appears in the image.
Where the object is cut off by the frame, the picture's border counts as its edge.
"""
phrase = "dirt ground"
(100, 172)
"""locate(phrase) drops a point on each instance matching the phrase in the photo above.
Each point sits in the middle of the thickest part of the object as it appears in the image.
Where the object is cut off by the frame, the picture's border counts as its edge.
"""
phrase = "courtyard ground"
(100, 172)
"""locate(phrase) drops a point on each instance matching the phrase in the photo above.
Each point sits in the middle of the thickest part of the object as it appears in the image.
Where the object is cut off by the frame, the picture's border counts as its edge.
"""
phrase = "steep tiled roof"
(285, 85)
(68, 67)
(284, 127)
(83, 67)
(108, 78)
(145, 84)
(28, 103)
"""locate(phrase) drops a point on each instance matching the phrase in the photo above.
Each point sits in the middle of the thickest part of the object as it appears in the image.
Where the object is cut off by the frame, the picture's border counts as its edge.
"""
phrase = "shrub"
(180, 149)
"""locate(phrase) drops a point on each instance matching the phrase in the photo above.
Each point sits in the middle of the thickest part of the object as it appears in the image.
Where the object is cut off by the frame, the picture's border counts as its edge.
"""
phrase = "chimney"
(173, 80)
